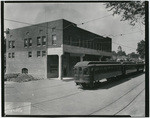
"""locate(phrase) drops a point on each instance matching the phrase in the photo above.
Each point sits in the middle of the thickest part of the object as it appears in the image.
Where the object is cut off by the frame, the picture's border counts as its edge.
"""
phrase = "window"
(80, 70)
(54, 38)
(25, 70)
(43, 40)
(40, 31)
(38, 53)
(9, 44)
(75, 70)
(53, 29)
(13, 44)
(13, 55)
(27, 33)
(38, 41)
(9, 55)
(85, 71)
(43, 53)
(29, 54)
(25, 42)
(30, 42)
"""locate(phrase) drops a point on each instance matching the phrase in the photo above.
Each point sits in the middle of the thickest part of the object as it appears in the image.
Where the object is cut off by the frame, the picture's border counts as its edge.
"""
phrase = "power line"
(123, 45)
(124, 34)
(73, 25)
(37, 25)
(93, 20)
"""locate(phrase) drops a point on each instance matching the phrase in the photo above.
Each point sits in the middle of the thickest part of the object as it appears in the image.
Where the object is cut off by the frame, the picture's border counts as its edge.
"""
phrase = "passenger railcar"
(87, 73)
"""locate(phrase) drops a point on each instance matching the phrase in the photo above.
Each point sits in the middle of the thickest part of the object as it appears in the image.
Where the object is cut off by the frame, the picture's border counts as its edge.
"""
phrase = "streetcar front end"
(82, 75)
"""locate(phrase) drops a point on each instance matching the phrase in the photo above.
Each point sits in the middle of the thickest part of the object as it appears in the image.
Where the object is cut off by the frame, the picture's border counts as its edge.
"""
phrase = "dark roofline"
(62, 20)
(86, 30)
(36, 24)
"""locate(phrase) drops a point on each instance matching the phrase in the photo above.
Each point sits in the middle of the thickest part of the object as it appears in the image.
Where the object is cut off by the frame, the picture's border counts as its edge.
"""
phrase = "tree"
(114, 53)
(141, 48)
(119, 48)
(120, 52)
(133, 55)
(131, 11)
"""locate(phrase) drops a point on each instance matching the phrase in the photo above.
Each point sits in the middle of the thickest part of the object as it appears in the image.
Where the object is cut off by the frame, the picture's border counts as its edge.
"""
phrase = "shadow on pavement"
(113, 82)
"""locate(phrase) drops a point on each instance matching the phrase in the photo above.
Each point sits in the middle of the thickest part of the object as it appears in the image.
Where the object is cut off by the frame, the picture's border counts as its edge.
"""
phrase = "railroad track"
(40, 88)
(80, 91)
(119, 99)
(65, 96)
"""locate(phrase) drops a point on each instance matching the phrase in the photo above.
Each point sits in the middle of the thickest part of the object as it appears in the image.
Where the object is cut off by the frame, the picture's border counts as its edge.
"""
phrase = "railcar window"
(75, 70)
(109, 68)
(115, 68)
(85, 71)
(96, 70)
(105, 69)
(102, 69)
(80, 70)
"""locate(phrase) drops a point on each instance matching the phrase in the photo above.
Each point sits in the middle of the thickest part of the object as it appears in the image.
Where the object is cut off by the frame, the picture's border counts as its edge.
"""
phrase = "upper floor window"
(43, 40)
(43, 53)
(27, 33)
(29, 54)
(9, 55)
(9, 44)
(40, 31)
(53, 29)
(54, 39)
(30, 42)
(25, 42)
(38, 41)
(38, 53)
(13, 44)
(13, 55)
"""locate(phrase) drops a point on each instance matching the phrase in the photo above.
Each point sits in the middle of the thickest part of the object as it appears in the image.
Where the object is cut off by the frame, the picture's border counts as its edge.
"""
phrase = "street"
(56, 97)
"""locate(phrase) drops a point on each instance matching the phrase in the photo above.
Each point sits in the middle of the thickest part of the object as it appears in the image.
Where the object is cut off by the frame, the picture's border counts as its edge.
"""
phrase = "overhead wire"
(93, 20)
(77, 25)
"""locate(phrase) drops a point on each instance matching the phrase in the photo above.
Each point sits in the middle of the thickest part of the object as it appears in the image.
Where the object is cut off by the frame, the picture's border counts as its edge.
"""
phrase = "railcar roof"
(87, 63)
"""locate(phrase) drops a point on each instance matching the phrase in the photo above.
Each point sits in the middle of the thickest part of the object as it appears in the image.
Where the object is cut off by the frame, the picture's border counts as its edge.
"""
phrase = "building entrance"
(52, 66)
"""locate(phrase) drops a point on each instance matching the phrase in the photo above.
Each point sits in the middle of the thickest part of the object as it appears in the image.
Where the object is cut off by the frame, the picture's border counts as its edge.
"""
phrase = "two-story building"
(51, 49)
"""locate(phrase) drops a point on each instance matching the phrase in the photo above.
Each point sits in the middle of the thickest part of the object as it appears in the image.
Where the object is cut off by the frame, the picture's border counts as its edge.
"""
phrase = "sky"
(95, 16)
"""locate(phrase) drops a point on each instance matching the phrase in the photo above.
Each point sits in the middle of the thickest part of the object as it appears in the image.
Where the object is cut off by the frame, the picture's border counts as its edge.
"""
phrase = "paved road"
(56, 97)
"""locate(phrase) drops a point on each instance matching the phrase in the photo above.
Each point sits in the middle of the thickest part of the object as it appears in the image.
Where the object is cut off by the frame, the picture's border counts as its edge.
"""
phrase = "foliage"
(121, 53)
(131, 11)
(141, 48)
(114, 53)
(133, 55)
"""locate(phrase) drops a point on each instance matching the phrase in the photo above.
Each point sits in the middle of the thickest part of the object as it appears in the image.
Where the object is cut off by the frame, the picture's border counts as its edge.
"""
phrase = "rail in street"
(54, 97)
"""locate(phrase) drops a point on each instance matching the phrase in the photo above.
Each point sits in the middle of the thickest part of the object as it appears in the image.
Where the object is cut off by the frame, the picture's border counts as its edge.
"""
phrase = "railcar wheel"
(77, 83)
(91, 85)
(108, 79)
(83, 85)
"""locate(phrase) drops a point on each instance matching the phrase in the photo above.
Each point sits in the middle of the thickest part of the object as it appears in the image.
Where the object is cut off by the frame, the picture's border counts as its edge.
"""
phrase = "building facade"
(51, 49)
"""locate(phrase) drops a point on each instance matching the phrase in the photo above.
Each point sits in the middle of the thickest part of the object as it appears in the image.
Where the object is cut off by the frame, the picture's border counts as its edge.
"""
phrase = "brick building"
(51, 49)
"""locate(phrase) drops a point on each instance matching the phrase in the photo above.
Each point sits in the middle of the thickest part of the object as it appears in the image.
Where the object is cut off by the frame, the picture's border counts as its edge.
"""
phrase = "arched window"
(25, 70)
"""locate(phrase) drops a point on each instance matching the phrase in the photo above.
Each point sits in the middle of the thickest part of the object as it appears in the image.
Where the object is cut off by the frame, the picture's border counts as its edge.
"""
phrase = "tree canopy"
(141, 48)
(131, 11)
(133, 55)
